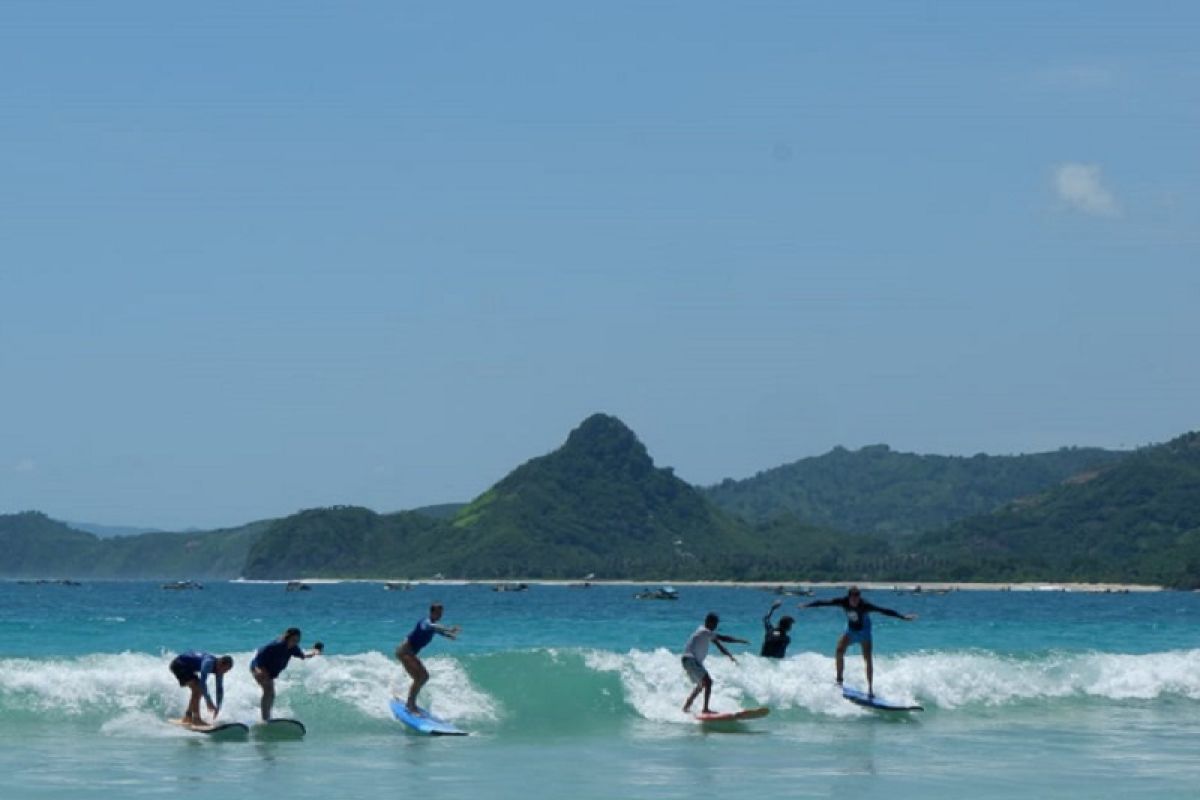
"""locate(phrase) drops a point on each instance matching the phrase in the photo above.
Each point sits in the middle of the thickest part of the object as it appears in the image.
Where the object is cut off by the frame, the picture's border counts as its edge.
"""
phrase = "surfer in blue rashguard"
(407, 653)
(858, 629)
(192, 669)
(271, 659)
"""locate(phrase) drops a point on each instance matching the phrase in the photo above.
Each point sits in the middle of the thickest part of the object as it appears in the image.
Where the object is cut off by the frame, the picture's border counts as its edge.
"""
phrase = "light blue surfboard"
(424, 722)
(878, 703)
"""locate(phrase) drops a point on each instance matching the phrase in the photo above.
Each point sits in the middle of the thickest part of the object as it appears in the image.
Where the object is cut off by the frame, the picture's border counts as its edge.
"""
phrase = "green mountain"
(598, 504)
(877, 490)
(595, 505)
(1135, 521)
(344, 542)
(33, 545)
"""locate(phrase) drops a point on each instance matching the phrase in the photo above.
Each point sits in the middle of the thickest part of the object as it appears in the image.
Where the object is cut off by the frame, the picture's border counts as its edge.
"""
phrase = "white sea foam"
(133, 687)
(655, 685)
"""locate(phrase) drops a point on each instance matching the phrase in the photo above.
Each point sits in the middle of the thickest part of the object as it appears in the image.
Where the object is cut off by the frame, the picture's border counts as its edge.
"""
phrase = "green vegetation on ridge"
(598, 504)
(878, 490)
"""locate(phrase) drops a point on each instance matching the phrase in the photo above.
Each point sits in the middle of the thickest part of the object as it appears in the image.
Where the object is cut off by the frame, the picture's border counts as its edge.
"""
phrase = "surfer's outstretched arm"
(449, 631)
(717, 641)
(819, 603)
(887, 612)
(767, 624)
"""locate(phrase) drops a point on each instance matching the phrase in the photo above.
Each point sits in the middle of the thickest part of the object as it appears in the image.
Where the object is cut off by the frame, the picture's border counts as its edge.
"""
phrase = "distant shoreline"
(905, 586)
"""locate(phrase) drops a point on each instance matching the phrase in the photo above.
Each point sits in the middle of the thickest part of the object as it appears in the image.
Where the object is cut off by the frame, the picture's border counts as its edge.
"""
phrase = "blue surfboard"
(878, 703)
(424, 722)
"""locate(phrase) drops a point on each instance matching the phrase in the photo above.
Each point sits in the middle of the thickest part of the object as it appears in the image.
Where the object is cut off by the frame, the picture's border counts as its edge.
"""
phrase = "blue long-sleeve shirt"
(205, 664)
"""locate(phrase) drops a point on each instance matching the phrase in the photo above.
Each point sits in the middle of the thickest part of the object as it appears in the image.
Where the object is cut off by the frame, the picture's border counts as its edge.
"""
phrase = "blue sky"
(262, 257)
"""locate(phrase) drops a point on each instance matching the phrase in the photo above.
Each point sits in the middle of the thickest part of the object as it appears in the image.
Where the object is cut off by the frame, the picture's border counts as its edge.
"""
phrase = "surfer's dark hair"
(785, 623)
(712, 618)
(291, 632)
(225, 661)
(432, 606)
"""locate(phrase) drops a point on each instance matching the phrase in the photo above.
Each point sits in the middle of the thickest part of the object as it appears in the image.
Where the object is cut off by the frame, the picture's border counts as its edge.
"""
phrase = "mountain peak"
(606, 439)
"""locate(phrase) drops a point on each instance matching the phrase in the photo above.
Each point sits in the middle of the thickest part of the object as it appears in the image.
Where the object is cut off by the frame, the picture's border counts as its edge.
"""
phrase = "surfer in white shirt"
(694, 653)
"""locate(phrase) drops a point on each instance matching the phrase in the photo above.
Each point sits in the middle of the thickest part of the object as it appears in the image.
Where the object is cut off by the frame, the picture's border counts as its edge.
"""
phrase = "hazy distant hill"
(33, 545)
(1136, 521)
(878, 490)
(108, 531)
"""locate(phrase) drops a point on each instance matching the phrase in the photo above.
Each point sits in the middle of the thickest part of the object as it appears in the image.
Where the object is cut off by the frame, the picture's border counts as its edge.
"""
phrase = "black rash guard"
(856, 616)
(775, 641)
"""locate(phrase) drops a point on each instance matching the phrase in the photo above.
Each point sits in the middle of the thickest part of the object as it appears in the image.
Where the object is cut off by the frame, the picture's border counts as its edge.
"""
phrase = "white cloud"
(1080, 187)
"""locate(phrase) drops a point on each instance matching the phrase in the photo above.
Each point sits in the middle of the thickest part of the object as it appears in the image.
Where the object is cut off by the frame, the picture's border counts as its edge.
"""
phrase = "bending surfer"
(407, 653)
(858, 629)
(776, 638)
(271, 659)
(694, 653)
(192, 669)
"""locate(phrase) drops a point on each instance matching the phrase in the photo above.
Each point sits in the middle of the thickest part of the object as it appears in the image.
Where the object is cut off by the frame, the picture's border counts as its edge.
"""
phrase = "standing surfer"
(271, 659)
(858, 629)
(407, 652)
(694, 653)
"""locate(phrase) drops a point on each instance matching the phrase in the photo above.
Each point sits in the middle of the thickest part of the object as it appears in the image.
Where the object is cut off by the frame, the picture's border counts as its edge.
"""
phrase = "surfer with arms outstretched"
(858, 629)
(407, 652)
(694, 653)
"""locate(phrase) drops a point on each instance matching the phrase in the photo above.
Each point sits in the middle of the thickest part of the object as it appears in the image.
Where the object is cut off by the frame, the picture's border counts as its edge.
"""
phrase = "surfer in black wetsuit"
(776, 639)
(858, 629)
(271, 659)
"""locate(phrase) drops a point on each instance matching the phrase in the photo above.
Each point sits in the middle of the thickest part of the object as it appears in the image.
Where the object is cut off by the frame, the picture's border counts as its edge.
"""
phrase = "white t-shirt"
(697, 643)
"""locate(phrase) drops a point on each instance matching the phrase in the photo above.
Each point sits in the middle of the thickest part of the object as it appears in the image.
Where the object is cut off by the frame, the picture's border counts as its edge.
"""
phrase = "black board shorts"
(182, 673)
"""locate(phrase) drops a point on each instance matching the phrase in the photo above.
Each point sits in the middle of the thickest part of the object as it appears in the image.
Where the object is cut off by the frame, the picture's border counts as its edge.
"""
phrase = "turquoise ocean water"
(576, 692)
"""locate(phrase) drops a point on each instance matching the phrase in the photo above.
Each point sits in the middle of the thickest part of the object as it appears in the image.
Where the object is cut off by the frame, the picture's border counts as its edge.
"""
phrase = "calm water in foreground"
(576, 693)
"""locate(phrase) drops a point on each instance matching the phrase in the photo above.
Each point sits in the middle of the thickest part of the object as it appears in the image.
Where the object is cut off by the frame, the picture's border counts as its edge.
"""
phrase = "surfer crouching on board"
(192, 669)
(858, 629)
(776, 638)
(271, 659)
(694, 653)
(406, 653)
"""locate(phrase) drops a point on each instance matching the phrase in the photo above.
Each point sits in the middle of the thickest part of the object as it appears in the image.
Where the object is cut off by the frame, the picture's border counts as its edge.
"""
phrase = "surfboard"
(278, 730)
(878, 703)
(424, 722)
(223, 732)
(733, 716)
